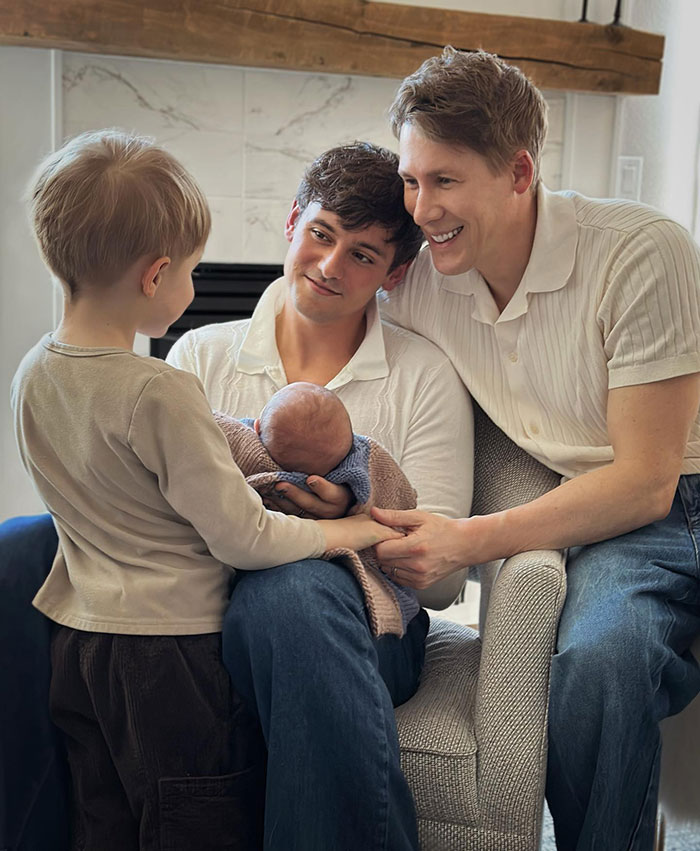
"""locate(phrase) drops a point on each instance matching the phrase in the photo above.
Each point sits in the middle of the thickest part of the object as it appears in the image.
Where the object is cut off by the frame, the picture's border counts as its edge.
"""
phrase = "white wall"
(665, 130)
(26, 292)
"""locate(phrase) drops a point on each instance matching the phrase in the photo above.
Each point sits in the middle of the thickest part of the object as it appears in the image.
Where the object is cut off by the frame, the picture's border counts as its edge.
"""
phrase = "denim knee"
(603, 651)
(298, 599)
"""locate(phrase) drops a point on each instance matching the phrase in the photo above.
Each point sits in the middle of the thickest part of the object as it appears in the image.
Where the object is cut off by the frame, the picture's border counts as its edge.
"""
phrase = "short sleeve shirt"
(610, 298)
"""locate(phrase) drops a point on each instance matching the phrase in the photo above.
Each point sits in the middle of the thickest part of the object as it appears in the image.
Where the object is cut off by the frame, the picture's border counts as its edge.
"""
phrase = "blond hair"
(107, 198)
(474, 100)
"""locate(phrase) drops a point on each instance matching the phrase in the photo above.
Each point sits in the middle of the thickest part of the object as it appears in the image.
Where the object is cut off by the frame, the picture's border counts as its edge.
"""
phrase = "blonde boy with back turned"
(150, 510)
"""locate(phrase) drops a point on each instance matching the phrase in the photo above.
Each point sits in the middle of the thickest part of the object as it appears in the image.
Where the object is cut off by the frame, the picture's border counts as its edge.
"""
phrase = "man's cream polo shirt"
(610, 298)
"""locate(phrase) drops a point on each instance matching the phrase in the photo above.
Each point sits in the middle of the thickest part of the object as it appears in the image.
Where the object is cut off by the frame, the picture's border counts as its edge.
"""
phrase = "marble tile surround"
(245, 134)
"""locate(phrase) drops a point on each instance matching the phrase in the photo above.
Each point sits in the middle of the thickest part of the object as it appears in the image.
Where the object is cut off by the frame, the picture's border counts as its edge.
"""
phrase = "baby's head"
(305, 428)
(106, 199)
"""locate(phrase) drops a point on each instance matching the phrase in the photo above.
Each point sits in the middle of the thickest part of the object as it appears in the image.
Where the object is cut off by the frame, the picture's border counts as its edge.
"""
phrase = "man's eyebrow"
(368, 246)
(436, 172)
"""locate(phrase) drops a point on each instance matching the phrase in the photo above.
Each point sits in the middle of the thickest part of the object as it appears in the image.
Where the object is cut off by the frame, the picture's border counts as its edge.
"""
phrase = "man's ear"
(523, 171)
(396, 276)
(256, 426)
(153, 275)
(292, 219)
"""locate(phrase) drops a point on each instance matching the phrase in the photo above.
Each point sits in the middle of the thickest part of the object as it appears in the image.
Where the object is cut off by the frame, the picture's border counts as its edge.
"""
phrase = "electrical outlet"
(628, 180)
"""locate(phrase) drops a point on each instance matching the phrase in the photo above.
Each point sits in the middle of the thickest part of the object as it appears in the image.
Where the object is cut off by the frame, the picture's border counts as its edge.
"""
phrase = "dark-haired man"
(297, 640)
(575, 323)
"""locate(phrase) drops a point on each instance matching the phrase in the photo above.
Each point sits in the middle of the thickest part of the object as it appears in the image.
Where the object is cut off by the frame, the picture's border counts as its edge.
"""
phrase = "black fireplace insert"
(222, 291)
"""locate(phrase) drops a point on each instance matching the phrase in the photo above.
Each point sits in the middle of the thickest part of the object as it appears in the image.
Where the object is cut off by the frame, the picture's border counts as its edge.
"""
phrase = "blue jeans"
(622, 665)
(299, 649)
(33, 770)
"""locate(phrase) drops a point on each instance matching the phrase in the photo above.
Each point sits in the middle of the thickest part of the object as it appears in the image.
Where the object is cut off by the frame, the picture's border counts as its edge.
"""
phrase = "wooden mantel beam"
(338, 36)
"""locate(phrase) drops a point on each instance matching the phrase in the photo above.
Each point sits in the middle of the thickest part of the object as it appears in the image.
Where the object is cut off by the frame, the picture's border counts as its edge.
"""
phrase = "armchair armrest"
(518, 641)
(521, 600)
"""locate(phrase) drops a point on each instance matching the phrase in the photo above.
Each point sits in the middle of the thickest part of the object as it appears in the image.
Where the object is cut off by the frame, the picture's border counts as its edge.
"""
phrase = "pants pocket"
(212, 813)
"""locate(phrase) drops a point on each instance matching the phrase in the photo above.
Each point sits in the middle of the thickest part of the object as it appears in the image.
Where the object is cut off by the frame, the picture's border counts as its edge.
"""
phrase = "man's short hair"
(106, 198)
(360, 184)
(474, 100)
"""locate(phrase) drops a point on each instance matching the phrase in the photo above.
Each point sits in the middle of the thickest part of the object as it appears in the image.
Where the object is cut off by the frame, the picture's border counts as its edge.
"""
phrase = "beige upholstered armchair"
(474, 737)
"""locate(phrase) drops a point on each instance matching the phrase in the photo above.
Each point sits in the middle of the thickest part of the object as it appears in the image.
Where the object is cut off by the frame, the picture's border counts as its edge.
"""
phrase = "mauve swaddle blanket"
(381, 482)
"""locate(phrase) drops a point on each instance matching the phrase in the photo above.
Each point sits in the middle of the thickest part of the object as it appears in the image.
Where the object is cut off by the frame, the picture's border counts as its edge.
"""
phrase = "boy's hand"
(326, 501)
(356, 533)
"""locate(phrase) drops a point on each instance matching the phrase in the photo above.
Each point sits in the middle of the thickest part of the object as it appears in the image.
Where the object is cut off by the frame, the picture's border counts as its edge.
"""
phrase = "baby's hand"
(356, 533)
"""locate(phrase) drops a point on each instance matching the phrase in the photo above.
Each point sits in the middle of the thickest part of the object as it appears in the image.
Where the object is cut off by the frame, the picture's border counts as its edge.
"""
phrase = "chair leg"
(660, 838)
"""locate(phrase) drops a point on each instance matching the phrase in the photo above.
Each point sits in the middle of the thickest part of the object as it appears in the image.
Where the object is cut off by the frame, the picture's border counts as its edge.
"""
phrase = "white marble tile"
(225, 243)
(292, 117)
(556, 116)
(264, 240)
(195, 111)
(552, 166)
(142, 344)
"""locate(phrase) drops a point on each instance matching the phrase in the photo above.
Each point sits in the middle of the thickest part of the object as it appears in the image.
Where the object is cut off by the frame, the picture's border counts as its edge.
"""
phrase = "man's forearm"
(593, 507)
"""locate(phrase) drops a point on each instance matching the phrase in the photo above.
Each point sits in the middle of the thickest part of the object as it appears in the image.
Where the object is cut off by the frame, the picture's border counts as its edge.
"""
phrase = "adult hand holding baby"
(327, 501)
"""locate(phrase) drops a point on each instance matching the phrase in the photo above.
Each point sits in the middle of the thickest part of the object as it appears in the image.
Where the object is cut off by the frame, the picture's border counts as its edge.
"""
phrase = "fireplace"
(222, 292)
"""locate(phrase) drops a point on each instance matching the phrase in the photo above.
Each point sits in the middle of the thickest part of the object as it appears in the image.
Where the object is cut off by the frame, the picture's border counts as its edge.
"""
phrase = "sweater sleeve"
(174, 435)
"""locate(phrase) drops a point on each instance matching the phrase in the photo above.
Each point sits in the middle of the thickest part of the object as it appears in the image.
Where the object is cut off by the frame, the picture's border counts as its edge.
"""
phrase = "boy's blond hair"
(475, 100)
(107, 198)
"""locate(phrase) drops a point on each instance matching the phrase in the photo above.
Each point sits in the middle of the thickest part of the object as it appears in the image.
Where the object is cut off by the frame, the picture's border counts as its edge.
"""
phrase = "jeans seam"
(383, 805)
(689, 523)
(640, 818)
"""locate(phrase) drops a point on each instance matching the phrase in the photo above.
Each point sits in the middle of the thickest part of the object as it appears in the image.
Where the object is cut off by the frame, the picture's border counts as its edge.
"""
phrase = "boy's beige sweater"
(149, 508)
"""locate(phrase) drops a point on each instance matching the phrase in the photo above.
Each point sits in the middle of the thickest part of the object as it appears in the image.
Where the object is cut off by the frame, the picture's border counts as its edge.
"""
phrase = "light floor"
(466, 612)
(679, 837)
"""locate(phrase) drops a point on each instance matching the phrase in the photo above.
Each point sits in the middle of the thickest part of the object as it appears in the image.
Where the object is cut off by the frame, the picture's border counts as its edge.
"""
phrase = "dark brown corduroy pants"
(163, 754)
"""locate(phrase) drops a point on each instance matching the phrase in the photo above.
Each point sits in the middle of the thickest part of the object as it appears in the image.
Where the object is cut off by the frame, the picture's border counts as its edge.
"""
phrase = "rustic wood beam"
(343, 36)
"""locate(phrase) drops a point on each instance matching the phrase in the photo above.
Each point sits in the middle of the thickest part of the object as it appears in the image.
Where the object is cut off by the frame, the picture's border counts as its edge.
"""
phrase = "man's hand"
(432, 548)
(326, 502)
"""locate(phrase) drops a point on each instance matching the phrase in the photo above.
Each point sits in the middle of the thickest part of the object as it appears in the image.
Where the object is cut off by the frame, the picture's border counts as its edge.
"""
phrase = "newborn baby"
(305, 428)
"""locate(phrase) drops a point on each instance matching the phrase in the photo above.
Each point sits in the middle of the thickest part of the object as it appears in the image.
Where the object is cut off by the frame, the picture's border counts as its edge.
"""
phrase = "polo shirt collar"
(259, 354)
(549, 268)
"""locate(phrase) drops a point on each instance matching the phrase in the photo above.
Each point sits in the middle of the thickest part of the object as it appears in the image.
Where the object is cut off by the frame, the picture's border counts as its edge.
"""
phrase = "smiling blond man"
(575, 323)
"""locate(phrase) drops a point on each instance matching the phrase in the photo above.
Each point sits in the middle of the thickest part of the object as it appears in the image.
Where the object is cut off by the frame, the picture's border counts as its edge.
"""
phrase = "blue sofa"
(33, 773)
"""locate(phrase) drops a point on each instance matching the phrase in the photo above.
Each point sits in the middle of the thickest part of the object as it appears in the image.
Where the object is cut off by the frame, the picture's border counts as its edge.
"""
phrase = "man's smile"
(320, 288)
(441, 238)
